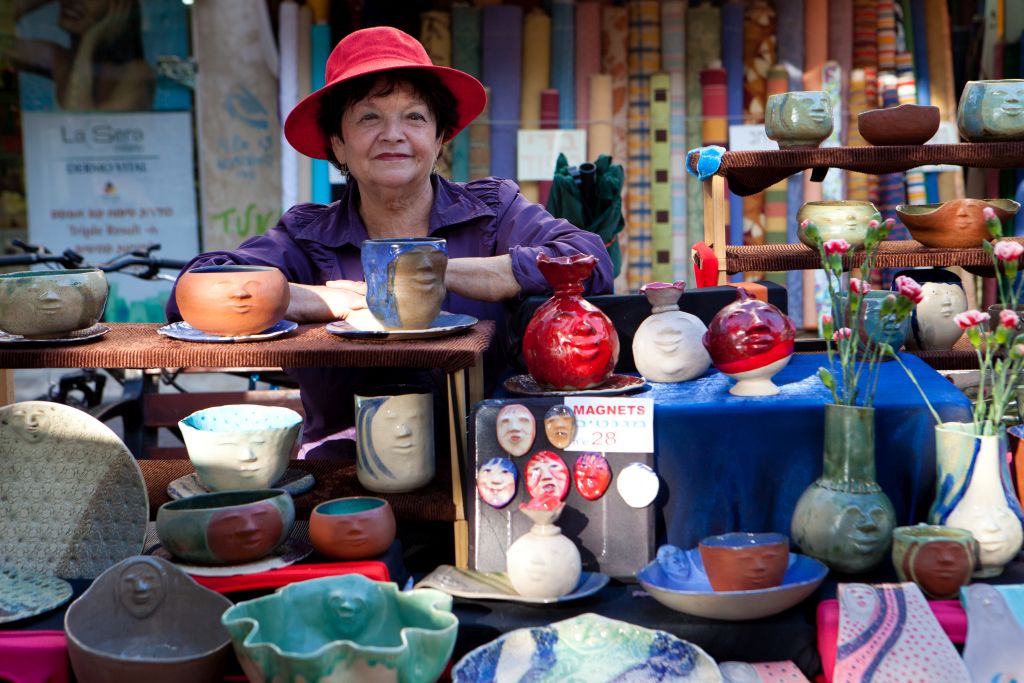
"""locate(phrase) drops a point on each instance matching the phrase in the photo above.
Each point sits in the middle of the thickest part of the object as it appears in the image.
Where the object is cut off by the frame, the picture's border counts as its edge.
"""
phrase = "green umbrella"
(590, 197)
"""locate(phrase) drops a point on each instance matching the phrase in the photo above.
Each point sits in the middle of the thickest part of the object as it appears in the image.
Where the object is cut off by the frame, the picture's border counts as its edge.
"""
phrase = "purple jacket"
(313, 243)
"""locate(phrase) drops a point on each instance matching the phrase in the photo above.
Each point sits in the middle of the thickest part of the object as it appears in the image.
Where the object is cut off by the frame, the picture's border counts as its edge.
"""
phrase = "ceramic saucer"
(294, 481)
(466, 583)
(288, 553)
(526, 385)
(677, 580)
(185, 332)
(88, 333)
(362, 325)
(25, 594)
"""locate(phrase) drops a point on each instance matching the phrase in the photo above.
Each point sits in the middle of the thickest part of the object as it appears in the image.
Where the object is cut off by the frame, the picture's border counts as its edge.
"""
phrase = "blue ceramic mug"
(405, 280)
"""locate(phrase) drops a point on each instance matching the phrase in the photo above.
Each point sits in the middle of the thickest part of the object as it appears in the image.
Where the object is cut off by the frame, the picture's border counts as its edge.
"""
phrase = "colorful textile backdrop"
(758, 57)
(502, 73)
(563, 57)
(536, 78)
(465, 57)
(703, 46)
(588, 59)
(673, 62)
(732, 59)
(436, 36)
(661, 181)
(790, 48)
(480, 142)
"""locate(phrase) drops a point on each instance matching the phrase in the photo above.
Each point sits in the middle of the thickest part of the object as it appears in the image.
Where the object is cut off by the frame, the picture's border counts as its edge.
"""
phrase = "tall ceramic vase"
(974, 492)
(844, 518)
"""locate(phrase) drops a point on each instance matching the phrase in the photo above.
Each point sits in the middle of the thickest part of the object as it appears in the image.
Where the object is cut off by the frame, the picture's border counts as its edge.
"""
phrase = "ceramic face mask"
(29, 423)
(1002, 108)
(140, 588)
(419, 281)
(234, 535)
(560, 425)
(496, 482)
(592, 475)
(516, 428)
(941, 567)
(547, 474)
(351, 611)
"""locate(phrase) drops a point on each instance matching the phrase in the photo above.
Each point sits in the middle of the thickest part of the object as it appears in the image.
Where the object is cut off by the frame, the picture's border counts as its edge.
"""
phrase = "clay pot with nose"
(355, 528)
(744, 561)
(956, 224)
(232, 300)
(939, 559)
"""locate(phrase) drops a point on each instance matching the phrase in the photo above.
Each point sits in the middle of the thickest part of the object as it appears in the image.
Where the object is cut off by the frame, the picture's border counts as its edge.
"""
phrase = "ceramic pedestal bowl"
(956, 224)
(798, 119)
(51, 303)
(356, 528)
(232, 300)
(146, 620)
(992, 111)
(907, 124)
(744, 561)
(229, 527)
(343, 628)
(678, 580)
(240, 446)
(845, 219)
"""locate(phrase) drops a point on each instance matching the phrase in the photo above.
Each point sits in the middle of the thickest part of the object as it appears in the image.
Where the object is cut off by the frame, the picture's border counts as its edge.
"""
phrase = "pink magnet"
(547, 474)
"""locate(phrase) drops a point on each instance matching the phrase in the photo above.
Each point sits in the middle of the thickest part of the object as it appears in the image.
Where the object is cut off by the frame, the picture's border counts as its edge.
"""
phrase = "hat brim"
(303, 133)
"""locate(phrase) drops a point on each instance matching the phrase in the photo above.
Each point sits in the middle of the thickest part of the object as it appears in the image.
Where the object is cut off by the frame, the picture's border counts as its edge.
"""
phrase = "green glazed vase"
(844, 518)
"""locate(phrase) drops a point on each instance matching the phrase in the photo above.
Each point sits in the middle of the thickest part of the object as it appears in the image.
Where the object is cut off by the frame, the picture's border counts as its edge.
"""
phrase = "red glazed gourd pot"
(569, 343)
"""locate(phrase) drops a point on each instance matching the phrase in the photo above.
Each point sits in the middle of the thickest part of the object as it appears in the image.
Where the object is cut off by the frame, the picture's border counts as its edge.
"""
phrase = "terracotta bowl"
(356, 528)
(51, 303)
(907, 124)
(146, 620)
(939, 559)
(227, 527)
(956, 224)
(232, 300)
(743, 561)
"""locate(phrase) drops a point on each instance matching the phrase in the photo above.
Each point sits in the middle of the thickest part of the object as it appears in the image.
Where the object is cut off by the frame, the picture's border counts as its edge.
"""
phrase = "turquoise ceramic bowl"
(992, 111)
(342, 628)
(51, 303)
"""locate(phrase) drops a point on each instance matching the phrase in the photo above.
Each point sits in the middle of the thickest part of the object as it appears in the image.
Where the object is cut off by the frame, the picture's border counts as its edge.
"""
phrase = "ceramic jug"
(543, 563)
(667, 346)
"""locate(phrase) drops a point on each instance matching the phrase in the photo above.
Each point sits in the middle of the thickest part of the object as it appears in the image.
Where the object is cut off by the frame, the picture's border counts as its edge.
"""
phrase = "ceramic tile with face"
(496, 482)
(516, 428)
(592, 475)
(395, 439)
(560, 425)
(547, 474)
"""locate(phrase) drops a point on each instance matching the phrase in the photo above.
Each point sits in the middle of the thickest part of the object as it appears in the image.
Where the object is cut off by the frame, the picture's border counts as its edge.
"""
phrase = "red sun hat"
(373, 50)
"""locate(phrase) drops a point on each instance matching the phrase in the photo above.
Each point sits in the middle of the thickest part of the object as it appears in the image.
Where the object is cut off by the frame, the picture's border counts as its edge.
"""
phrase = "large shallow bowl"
(232, 300)
(677, 580)
(41, 304)
(956, 224)
(907, 124)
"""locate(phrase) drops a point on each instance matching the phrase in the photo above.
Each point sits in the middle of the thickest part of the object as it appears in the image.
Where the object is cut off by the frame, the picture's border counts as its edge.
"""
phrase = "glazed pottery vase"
(667, 346)
(356, 528)
(871, 325)
(992, 111)
(798, 119)
(41, 304)
(232, 301)
(543, 563)
(906, 124)
(751, 341)
(227, 527)
(569, 344)
(939, 559)
(395, 438)
(975, 492)
(932, 324)
(843, 219)
(956, 224)
(745, 561)
(405, 280)
(844, 518)
(995, 640)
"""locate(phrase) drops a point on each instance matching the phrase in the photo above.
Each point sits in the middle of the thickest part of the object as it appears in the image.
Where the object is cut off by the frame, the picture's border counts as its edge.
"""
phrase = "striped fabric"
(599, 132)
(536, 75)
(732, 58)
(614, 56)
(661, 180)
(776, 196)
(465, 57)
(840, 44)
(502, 70)
(436, 36)
(480, 142)
(907, 93)
(790, 48)
(815, 56)
(703, 45)
(758, 56)
(588, 58)
(865, 58)
(563, 59)
(940, 71)
(673, 62)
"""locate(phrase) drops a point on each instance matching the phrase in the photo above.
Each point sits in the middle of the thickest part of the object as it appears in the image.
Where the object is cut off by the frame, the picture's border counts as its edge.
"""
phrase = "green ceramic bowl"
(51, 303)
(992, 111)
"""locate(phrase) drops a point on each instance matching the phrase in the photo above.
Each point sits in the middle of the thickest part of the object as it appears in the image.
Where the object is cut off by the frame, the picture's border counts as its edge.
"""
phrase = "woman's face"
(78, 15)
(390, 141)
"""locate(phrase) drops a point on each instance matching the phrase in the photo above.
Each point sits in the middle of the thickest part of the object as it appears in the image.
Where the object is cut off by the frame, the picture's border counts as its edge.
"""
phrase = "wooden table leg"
(6, 387)
(714, 222)
(457, 437)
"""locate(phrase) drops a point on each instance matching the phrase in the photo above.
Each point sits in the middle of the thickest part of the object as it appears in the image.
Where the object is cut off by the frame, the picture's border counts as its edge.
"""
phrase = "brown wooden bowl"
(232, 300)
(907, 124)
(956, 224)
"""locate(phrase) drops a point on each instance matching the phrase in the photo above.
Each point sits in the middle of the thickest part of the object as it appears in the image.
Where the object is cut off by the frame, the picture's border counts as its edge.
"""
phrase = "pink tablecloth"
(34, 657)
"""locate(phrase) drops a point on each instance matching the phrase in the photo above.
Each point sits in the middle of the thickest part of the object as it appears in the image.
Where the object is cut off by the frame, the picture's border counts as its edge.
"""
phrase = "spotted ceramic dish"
(26, 594)
(294, 481)
(185, 332)
(526, 385)
(88, 333)
(466, 583)
(362, 325)
(590, 647)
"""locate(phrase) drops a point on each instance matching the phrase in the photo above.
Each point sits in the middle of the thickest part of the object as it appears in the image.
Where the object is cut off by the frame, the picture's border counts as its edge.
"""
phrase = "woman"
(382, 119)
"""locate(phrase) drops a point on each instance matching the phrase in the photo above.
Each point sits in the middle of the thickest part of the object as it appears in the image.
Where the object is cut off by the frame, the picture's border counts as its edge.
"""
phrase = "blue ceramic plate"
(677, 580)
(466, 583)
(186, 332)
(25, 594)
(88, 333)
(362, 325)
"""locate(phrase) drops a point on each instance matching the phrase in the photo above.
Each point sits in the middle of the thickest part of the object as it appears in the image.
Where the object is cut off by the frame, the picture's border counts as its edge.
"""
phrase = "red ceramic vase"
(748, 334)
(569, 343)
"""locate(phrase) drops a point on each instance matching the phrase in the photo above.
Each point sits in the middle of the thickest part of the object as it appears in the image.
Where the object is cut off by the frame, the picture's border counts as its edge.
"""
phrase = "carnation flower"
(1008, 319)
(838, 246)
(908, 287)
(859, 286)
(971, 318)
(1007, 250)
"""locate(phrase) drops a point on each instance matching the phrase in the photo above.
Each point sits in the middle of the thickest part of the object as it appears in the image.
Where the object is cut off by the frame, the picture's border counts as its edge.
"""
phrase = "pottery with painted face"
(355, 528)
(843, 219)
(405, 280)
(543, 563)
(932, 323)
(667, 346)
(956, 224)
(395, 438)
(939, 559)
(745, 561)
(41, 304)
(798, 119)
(232, 300)
(992, 111)
(871, 324)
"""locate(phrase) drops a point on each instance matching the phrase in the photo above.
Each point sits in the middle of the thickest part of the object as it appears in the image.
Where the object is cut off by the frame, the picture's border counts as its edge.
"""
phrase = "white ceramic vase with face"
(932, 325)
(667, 346)
(395, 439)
(543, 563)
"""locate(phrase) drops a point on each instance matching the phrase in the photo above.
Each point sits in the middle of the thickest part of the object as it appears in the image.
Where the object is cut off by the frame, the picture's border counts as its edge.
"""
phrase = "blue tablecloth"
(739, 464)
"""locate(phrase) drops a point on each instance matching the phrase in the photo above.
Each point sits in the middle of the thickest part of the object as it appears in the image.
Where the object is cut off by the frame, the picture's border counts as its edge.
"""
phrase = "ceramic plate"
(72, 498)
(588, 648)
(677, 580)
(26, 594)
(526, 385)
(294, 481)
(88, 333)
(362, 325)
(288, 553)
(466, 583)
(186, 332)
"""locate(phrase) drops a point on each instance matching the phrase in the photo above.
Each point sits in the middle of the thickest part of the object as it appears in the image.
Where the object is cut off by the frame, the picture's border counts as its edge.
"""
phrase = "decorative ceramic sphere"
(232, 300)
(667, 346)
(543, 563)
(43, 304)
(750, 340)
(845, 219)
(992, 111)
(798, 119)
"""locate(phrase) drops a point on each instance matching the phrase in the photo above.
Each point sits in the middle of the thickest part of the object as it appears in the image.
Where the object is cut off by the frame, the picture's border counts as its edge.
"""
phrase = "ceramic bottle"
(543, 563)
(667, 346)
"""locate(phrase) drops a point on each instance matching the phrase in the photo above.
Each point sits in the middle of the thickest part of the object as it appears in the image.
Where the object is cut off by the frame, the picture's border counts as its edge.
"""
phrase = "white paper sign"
(619, 425)
(537, 151)
(749, 137)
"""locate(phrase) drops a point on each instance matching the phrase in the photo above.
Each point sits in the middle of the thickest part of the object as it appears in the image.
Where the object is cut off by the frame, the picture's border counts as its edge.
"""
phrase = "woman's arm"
(320, 303)
(484, 279)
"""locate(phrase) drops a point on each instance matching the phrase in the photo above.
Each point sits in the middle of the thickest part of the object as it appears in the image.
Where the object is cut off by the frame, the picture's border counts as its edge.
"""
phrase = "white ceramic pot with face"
(933, 327)
(543, 563)
(395, 439)
(667, 346)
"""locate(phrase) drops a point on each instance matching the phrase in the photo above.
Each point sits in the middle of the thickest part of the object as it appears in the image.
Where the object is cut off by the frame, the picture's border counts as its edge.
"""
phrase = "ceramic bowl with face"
(939, 559)
(992, 111)
(798, 119)
(240, 446)
(356, 528)
(226, 527)
(232, 300)
(51, 303)
(842, 219)
(956, 224)
(745, 561)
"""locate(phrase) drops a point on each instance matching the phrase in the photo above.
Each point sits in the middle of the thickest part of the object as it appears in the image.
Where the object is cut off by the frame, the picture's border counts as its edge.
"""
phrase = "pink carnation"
(971, 318)
(872, 224)
(909, 288)
(1008, 250)
(1008, 319)
(842, 333)
(859, 286)
(805, 222)
(826, 319)
(836, 247)
(989, 213)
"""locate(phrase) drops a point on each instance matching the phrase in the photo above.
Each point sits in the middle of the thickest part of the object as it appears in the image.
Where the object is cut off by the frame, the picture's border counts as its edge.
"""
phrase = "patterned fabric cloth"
(673, 62)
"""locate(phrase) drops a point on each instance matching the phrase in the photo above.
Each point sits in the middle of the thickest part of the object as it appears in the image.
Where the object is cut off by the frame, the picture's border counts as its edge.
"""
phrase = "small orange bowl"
(355, 528)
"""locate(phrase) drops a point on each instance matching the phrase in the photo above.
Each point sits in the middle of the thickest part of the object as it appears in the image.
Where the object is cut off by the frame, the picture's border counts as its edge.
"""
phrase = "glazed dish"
(956, 224)
(362, 325)
(185, 332)
(467, 583)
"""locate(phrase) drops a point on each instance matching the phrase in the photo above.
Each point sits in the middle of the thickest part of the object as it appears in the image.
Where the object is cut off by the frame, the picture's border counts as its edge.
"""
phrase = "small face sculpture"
(757, 566)
(941, 567)
(241, 535)
(996, 529)
(868, 528)
(247, 452)
(584, 342)
(592, 475)
(350, 612)
(1002, 107)
(547, 474)
(560, 425)
(807, 110)
(61, 304)
(496, 482)
(933, 317)
(749, 334)
(397, 432)
(235, 295)
(419, 281)
(516, 428)
(29, 423)
(140, 588)
(674, 352)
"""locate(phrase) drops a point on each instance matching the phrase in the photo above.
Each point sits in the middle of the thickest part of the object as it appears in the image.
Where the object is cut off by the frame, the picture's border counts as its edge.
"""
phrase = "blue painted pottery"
(992, 111)
(405, 280)
(343, 628)
(879, 329)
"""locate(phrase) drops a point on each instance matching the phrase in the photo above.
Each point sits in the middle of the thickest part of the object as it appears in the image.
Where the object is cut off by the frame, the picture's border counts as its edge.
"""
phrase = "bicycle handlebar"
(70, 259)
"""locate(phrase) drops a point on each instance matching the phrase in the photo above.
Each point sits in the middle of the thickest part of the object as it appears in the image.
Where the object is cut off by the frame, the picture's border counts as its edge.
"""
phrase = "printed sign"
(622, 425)
(537, 151)
(750, 138)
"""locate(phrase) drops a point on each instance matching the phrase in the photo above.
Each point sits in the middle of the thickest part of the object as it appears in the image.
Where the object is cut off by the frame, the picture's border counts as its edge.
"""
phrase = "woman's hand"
(325, 303)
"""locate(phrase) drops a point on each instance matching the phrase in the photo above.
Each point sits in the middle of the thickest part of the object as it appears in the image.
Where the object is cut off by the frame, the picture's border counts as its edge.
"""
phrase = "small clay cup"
(744, 561)
(49, 304)
(798, 119)
(355, 528)
(907, 124)
(227, 527)
(956, 224)
(939, 559)
(232, 301)
(405, 280)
